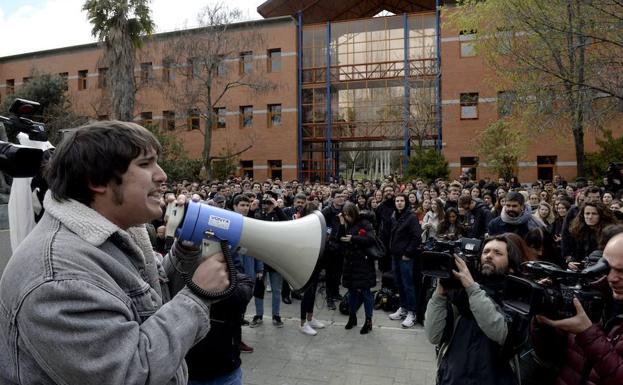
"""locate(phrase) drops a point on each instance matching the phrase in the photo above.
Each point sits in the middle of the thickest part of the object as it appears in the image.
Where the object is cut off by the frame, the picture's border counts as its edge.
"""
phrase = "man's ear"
(97, 189)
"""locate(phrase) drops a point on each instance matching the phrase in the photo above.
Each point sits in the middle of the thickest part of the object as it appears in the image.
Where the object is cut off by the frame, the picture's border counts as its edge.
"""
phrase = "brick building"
(348, 91)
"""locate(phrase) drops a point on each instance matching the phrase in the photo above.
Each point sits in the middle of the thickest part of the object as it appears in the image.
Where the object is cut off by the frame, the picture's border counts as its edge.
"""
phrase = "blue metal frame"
(299, 85)
(328, 60)
(407, 92)
(439, 144)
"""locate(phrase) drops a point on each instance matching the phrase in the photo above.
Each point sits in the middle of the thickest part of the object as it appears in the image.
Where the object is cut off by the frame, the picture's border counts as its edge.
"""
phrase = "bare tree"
(202, 61)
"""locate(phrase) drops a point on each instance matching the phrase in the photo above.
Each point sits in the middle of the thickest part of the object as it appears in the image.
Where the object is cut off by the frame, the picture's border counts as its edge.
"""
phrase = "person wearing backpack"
(405, 239)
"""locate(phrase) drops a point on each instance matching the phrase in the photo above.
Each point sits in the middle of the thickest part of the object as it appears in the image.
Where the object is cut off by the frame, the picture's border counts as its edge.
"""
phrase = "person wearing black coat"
(217, 356)
(359, 273)
(333, 254)
(405, 239)
(383, 214)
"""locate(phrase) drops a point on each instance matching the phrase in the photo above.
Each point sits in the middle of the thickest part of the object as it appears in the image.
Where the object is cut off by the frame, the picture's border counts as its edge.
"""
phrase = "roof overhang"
(317, 11)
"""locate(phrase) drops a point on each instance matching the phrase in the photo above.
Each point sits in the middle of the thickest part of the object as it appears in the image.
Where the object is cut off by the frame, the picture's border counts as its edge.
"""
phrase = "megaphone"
(292, 248)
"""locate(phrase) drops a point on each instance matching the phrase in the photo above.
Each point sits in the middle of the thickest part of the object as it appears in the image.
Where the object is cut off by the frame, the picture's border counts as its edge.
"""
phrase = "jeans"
(233, 378)
(355, 297)
(275, 282)
(403, 278)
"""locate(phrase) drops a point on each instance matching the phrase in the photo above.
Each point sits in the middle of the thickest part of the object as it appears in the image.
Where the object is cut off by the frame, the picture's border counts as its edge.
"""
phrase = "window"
(194, 122)
(466, 41)
(274, 168)
(146, 73)
(102, 77)
(545, 166)
(220, 117)
(246, 167)
(10, 86)
(26, 79)
(469, 106)
(221, 68)
(506, 99)
(274, 115)
(246, 62)
(82, 79)
(168, 70)
(168, 120)
(146, 118)
(64, 77)
(469, 166)
(102, 117)
(246, 116)
(194, 67)
(274, 60)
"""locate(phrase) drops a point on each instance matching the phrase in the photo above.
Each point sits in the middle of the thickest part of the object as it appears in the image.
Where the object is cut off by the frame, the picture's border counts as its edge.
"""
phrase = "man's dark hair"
(94, 155)
(301, 196)
(515, 197)
(593, 190)
(513, 250)
(241, 198)
(465, 200)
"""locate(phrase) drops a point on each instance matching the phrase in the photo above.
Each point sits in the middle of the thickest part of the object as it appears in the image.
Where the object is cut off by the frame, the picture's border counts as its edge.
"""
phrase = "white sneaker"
(409, 321)
(316, 324)
(399, 314)
(306, 329)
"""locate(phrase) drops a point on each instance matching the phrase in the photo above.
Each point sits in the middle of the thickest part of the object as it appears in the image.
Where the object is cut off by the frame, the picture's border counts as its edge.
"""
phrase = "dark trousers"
(309, 298)
(357, 296)
(333, 267)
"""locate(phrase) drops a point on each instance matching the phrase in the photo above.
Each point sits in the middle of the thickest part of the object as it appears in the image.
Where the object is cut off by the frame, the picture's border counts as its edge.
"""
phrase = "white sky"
(35, 25)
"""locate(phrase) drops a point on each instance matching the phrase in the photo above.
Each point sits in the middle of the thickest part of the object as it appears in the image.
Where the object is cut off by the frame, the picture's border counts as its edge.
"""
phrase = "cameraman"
(594, 351)
(476, 338)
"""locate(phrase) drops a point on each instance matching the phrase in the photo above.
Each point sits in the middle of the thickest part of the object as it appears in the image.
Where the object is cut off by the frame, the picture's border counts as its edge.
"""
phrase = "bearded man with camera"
(476, 339)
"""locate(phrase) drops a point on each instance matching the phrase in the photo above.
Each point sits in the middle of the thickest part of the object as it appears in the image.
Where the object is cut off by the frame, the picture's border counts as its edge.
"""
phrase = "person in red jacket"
(594, 353)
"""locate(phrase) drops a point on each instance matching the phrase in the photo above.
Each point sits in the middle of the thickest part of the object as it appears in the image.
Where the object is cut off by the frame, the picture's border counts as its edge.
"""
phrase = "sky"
(35, 25)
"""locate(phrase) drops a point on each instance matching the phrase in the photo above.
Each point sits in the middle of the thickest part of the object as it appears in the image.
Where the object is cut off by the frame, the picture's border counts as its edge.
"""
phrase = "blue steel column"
(407, 92)
(299, 85)
(328, 60)
(438, 109)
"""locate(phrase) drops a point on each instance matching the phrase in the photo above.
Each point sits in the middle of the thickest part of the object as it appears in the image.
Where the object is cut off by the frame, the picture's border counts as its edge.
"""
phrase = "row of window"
(194, 117)
(545, 166)
(469, 104)
(193, 65)
(274, 168)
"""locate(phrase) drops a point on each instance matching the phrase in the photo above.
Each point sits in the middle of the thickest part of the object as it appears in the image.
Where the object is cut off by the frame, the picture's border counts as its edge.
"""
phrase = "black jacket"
(384, 213)
(406, 234)
(359, 271)
(218, 353)
(333, 225)
(482, 216)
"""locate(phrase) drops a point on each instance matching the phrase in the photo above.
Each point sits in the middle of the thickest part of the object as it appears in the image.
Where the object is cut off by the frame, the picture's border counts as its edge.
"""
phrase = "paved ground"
(389, 355)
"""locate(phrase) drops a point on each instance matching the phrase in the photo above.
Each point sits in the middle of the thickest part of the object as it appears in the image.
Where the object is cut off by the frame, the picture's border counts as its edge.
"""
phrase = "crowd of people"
(85, 296)
(553, 221)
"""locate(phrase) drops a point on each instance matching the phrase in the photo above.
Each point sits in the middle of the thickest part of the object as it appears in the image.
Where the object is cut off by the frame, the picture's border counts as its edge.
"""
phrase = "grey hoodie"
(82, 301)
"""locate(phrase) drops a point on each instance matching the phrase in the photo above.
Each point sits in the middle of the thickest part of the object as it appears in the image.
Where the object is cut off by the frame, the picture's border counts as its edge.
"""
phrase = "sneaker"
(287, 300)
(277, 321)
(316, 324)
(244, 348)
(244, 322)
(399, 314)
(257, 321)
(307, 329)
(409, 320)
(331, 304)
(268, 287)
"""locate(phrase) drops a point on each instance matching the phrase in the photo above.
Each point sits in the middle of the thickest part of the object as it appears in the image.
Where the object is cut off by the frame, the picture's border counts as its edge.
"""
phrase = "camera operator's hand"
(211, 274)
(441, 290)
(576, 324)
(463, 274)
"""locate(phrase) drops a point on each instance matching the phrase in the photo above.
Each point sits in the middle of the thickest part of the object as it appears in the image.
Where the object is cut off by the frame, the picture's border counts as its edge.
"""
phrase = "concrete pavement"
(389, 355)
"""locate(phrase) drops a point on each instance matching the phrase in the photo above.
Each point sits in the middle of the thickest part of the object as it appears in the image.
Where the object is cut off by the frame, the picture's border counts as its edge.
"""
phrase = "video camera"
(551, 290)
(16, 160)
(438, 261)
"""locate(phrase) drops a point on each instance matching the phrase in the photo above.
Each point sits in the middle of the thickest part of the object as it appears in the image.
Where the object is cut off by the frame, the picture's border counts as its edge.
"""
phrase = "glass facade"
(378, 85)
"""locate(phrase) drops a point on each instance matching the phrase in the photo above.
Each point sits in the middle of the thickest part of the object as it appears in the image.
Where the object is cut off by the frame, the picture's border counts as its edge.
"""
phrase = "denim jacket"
(82, 301)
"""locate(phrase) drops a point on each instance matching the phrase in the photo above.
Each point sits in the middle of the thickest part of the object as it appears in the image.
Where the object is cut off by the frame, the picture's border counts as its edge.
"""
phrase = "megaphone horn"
(292, 248)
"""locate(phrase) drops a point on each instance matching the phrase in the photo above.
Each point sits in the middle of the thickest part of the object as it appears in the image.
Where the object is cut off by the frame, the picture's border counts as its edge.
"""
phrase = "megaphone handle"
(231, 271)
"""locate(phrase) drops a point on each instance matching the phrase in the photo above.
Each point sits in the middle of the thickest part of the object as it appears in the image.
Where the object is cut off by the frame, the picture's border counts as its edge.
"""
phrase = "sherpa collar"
(95, 229)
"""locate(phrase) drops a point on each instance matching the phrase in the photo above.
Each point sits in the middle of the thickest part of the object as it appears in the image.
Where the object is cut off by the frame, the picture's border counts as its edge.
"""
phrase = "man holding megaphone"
(84, 298)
